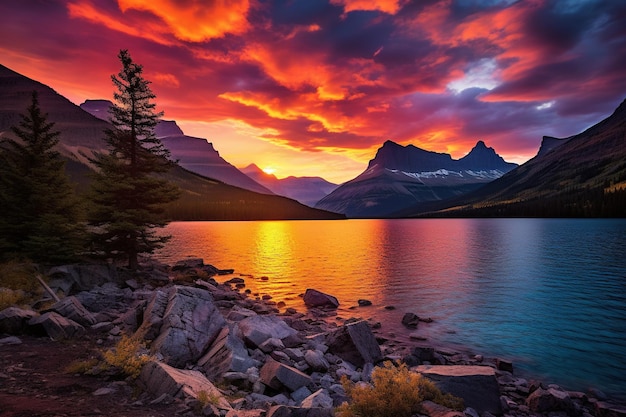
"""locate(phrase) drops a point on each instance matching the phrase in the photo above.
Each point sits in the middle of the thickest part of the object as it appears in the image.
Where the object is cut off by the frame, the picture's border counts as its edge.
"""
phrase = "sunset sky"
(314, 87)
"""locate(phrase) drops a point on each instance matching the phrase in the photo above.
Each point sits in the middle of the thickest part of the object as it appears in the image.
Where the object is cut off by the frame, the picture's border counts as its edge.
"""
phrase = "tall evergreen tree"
(127, 193)
(40, 216)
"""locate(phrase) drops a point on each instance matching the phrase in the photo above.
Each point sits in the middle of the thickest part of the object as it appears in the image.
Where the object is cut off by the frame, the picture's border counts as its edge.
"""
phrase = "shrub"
(19, 276)
(395, 391)
(126, 356)
(9, 297)
(87, 367)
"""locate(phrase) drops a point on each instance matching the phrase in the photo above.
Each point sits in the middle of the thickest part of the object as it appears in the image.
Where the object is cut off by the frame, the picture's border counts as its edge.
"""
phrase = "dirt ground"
(33, 382)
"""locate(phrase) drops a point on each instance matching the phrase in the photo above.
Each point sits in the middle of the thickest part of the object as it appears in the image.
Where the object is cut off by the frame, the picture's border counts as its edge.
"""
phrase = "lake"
(547, 294)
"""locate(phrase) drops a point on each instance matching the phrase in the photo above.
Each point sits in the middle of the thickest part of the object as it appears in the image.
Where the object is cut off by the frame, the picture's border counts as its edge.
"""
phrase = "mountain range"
(400, 177)
(82, 136)
(307, 190)
(583, 175)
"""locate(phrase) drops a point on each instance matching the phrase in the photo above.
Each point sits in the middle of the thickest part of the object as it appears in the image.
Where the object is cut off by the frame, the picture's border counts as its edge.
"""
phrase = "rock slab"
(315, 298)
(185, 327)
(277, 375)
(355, 343)
(476, 385)
(159, 378)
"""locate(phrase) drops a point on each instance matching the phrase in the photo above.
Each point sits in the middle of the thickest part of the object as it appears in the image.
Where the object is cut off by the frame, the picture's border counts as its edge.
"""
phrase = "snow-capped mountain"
(403, 176)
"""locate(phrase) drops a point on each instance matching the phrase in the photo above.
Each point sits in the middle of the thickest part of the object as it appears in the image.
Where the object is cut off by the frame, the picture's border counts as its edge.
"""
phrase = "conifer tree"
(128, 195)
(40, 215)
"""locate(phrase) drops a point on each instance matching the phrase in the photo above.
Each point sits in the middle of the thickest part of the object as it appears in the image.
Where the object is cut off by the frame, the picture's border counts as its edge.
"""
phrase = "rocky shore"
(214, 348)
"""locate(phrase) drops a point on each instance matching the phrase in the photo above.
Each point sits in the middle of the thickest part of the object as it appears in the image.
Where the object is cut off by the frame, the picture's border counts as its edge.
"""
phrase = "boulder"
(605, 409)
(315, 359)
(255, 330)
(161, 379)
(319, 399)
(355, 343)
(187, 326)
(71, 308)
(546, 400)
(314, 298)
(277, 375)
(188, 263)
(82, 277)
(226, 354)
(14, 320)
(410, 320)
(55, 326)
(106, 298)
(290, 411)
(432, 409)
(476, 385)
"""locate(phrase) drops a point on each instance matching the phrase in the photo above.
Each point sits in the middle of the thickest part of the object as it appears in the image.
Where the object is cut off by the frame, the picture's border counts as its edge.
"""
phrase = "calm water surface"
(548, 294)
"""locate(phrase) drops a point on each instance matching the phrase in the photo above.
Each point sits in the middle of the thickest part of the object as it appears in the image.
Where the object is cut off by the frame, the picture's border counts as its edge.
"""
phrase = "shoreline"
(308, 332)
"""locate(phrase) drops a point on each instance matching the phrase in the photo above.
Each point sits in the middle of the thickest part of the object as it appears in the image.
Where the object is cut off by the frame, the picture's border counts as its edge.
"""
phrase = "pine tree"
(40, 215)
(128, 195)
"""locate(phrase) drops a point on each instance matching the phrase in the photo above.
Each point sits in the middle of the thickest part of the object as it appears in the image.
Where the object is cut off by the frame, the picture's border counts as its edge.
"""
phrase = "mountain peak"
(483, 157)
(167, 128)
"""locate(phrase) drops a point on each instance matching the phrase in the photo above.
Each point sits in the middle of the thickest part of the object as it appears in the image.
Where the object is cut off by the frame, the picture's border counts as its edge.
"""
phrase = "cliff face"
(401, 176)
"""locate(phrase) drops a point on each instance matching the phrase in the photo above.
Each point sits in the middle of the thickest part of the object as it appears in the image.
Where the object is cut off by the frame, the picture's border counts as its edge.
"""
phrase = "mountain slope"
(399, 177)
(81, 136)
(585, 175)
(195, 154)
(307, 190)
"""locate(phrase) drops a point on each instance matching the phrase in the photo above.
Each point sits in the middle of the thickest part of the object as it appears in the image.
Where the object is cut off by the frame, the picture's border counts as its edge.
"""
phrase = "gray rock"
(605, 409)
(56, 326)
(289, 411)
(364, 303)
(14, 320)
(355, 343)
(410, 320)
(257, 329)
(504, 365)
(79, 277)
(11, 340)
(71, 308)
(435, 410)
(300, 394)
(105, 298)
(188, 263)
(319, 399)
(226, 354)
(187, 326)
(159, 378)
(277, 375)
(542, 400)
(315, 298)
(476, 385)
(316, 360)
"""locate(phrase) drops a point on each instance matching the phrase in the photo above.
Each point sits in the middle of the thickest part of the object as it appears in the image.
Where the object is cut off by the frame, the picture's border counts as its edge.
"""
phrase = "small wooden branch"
(48, 289)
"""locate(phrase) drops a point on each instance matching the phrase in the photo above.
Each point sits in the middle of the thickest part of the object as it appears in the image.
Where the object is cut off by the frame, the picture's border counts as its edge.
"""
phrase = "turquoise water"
(548, 294)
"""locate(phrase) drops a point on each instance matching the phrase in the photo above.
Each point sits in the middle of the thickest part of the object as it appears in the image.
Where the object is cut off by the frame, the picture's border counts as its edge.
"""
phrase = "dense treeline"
(592, 202)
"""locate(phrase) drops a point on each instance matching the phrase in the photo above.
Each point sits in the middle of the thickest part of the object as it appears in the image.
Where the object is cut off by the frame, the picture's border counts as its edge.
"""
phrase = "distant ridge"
(583, 176)
(399, 177)
(82, 135)
(195, 154)
(307, 190)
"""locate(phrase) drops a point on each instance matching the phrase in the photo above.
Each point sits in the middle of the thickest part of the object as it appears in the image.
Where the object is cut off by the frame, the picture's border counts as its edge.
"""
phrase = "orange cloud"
(166, 79)
(196, 21)
(142, 29)
(387, 6)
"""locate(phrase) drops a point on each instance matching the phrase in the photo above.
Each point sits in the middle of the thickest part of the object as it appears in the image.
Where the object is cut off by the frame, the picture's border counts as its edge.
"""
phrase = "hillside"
(400, 177)
(583, 176)
(81, 135)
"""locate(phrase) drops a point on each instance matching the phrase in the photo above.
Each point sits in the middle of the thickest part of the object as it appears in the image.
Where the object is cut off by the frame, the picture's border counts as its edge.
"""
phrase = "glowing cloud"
(196, 21)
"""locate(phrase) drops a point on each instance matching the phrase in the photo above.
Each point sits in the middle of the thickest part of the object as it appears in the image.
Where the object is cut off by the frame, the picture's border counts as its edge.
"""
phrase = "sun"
(269, 171)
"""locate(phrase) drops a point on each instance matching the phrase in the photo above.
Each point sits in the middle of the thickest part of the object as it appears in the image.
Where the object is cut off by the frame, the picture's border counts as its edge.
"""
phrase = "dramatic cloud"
(329, 81)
